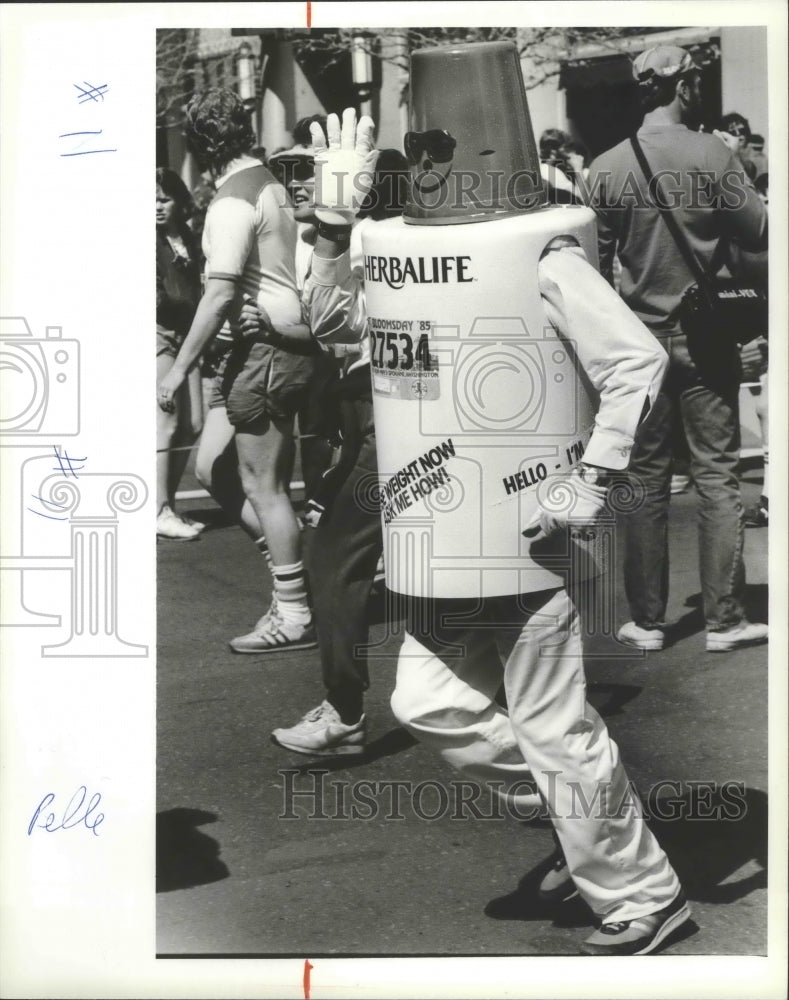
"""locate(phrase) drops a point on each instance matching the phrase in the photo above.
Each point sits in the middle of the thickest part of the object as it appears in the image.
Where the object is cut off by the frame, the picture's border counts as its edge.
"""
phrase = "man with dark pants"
(711, 200)
(344, 548)
(342, 555)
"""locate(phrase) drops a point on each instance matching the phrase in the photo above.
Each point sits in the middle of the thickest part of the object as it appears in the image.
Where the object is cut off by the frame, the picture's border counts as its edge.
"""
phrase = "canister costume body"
(504, 370)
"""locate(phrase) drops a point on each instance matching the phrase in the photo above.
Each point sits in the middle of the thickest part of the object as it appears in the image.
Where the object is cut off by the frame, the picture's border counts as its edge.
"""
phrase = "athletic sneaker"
(272, 633)
(322, 733)
(744, 634)
(642, 638)
(263, 620)
(639, 936)
(170, 525)
(758, 516)
(197, 525)
(557, 886)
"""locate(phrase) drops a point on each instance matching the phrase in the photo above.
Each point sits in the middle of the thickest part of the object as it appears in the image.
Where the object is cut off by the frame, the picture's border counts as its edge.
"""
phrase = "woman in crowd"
(177, 295)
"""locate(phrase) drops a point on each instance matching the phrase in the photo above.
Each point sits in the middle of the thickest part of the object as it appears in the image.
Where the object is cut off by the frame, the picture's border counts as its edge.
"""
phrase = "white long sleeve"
(622, 359)
(333, 304)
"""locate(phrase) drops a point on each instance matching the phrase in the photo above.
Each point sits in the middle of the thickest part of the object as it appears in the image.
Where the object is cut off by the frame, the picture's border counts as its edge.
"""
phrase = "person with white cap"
(344, 549)
(711, 202)
(476, 586)
(296, 166)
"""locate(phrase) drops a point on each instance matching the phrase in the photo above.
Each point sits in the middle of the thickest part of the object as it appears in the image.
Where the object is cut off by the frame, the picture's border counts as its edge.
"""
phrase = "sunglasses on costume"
(437, 144)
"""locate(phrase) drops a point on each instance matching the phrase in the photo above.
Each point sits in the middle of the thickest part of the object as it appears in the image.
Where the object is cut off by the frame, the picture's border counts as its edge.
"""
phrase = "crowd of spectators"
(279, 334)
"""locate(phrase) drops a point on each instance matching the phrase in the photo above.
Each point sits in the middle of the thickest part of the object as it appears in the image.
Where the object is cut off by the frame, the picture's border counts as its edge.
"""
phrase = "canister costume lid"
(470, 146)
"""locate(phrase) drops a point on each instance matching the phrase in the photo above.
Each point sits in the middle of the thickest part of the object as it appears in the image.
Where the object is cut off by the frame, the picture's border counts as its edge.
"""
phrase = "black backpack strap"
(673, 227)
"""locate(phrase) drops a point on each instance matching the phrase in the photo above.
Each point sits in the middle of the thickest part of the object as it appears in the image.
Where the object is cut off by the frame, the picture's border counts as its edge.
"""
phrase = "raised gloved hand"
(344, 166)
(566, 501)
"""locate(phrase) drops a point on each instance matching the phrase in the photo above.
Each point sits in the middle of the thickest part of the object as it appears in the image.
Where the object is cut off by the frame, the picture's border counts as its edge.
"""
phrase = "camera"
(501, 378)
(39, 381)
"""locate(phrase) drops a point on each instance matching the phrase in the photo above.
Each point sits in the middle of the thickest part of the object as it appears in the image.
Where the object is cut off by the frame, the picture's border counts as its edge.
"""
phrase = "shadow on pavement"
(689, 624)
(705, 848)
(523, 903)
(757, 603)
(616, 695)
(756, 600)
(395, 741)
(186, 857)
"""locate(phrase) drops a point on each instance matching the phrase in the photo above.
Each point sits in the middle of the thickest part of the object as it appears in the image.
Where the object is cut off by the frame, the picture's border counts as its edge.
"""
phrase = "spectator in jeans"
(753, 269)
(711, 200)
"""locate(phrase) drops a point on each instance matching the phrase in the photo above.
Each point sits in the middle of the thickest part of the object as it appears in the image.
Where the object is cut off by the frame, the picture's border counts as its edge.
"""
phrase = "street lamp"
(247, 84)
(245, 73)
(362, 73)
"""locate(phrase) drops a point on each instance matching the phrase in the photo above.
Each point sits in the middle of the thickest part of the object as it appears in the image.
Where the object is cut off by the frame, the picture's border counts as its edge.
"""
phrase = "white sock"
(290, 588)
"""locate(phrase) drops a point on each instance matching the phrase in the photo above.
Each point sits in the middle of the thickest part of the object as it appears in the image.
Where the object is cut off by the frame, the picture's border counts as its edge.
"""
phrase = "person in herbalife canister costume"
(508, 382)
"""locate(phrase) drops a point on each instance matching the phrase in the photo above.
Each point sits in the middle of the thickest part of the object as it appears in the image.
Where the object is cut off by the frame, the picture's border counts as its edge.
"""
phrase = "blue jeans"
(710, 414)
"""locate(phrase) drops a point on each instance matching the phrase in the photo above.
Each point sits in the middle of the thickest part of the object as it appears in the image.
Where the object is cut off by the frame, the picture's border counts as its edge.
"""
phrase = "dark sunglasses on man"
(295, 168)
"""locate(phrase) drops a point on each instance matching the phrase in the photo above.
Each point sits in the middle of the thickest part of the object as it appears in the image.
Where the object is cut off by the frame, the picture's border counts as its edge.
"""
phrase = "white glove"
(344, 169)
(566, 501)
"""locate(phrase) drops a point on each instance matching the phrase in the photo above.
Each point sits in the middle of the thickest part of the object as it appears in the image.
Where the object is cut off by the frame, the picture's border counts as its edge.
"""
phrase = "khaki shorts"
(262, 381)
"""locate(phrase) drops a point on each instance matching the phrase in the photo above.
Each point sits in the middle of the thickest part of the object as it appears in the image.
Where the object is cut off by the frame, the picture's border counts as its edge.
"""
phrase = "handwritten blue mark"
(73, 814)
(83, 152)
(93, 93)
(51, 503)
(68, 460)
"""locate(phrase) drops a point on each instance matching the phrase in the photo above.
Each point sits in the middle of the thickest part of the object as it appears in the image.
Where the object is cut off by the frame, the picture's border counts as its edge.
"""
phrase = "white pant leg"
(450, 706)
(619, 868)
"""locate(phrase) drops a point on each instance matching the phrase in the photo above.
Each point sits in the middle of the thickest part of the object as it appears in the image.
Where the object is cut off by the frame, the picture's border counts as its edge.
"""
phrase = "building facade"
(585, 88)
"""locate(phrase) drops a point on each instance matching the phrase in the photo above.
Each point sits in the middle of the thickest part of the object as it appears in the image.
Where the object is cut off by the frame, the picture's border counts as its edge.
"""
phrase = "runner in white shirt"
(249, 244)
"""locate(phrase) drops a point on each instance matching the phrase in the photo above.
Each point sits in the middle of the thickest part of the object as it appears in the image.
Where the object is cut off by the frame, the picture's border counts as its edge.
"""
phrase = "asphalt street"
(381, 855)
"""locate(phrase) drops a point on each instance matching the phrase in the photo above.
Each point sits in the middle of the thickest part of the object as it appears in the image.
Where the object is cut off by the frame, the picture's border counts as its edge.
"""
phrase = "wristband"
(335, 234)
